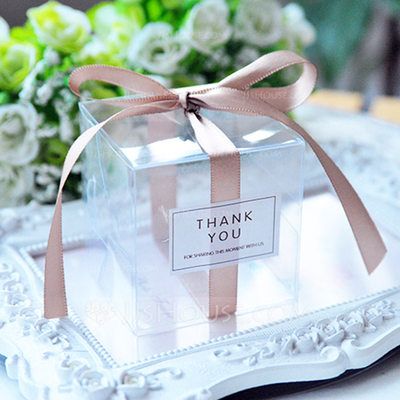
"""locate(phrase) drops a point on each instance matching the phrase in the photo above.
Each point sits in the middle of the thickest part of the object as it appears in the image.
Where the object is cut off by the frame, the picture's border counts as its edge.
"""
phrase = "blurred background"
(355, 44)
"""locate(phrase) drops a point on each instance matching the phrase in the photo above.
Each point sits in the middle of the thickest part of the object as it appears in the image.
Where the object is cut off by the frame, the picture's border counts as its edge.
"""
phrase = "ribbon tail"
(368, 238)
(274, 103)
(55, 298)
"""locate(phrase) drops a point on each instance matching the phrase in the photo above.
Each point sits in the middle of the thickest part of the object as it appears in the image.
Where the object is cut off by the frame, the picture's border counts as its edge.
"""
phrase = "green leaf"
(133, 11)
(55, 151)
(130, 2)
(154, 10)
(171, 4)
(233, 5)
(189, 4)
(4, 98)
(182, 80)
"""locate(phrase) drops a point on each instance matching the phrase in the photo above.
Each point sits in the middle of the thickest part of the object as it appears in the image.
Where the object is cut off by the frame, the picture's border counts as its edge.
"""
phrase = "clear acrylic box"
(141, 172)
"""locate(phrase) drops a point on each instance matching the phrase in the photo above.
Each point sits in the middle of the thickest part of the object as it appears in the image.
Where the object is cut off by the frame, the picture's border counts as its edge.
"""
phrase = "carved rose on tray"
(330, 332)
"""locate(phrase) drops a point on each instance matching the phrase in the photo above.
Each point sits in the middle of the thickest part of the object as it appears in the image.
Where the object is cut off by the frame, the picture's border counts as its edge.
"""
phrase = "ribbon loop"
(129, 80)
(282, 98)
(233, 94)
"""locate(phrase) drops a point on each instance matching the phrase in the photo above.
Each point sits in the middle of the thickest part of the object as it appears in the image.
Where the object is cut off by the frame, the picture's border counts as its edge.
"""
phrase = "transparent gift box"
(147, 187)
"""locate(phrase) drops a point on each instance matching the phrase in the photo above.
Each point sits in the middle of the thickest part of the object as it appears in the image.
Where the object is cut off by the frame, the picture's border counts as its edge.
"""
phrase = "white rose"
(93, 49)
(51, 57)
(61, 27)
(157, 49)
(218, 59)
(4, 30)
(18, 141)
(245, 56)
(97, 52)
(16, 183)
(258, 22)
(115, 28)
(207, 25)
(296, 26)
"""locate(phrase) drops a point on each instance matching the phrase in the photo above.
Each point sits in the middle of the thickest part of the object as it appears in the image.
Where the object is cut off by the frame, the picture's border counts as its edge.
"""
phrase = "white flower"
(258, 22)
(66, 126)
(46, 90)
(245, 56)
(30, 82)
(44, 93)
(219, 59)
(68, 97)
(16, 183)
(67, 102)
(115, 28)
(66, 129)
(207, 25)
(46, 174)
(51, 56)
(157, 49)
(18, 141)
(47, 130)
(97, 52)
(4, 30)
(47, 194)
(93, 49)
(60, 27)
(46, 182)
(296, 26)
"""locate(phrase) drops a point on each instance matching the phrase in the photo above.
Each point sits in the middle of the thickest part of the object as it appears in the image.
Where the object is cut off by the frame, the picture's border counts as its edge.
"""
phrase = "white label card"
(222, 234)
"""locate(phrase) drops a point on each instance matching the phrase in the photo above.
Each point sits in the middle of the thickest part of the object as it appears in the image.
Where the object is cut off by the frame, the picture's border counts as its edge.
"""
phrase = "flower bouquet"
(180, 43)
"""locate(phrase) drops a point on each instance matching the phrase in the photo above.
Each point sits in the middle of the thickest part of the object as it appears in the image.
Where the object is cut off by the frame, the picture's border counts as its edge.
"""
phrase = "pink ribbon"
(233, 94)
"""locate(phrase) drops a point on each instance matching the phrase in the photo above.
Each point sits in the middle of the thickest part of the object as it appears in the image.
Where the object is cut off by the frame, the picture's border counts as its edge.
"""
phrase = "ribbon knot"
(187, 104)
(233, 94)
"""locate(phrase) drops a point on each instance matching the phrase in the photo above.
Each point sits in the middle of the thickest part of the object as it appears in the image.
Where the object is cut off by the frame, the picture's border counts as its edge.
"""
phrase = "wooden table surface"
(387, 108)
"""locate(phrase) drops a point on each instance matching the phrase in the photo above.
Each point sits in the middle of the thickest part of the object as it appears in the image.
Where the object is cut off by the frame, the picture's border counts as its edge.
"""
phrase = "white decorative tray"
(346, 319)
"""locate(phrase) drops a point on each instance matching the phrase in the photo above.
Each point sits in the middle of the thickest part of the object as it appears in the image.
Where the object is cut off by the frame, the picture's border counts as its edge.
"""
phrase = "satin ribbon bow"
(233, 94)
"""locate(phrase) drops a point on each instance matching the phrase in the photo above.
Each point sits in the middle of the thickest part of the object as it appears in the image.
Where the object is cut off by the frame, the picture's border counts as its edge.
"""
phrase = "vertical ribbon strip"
(225, 185)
